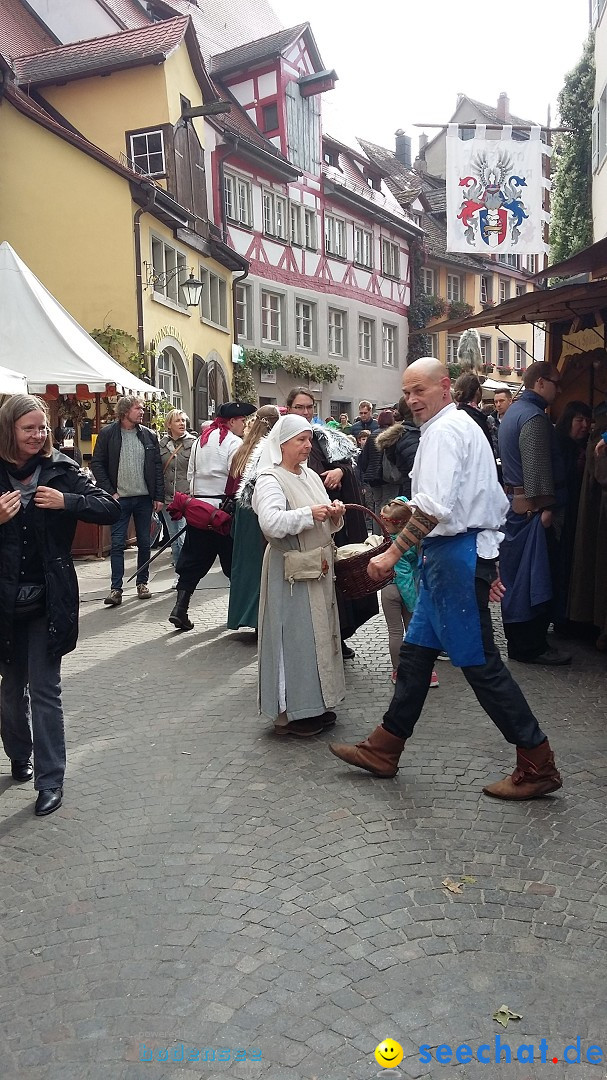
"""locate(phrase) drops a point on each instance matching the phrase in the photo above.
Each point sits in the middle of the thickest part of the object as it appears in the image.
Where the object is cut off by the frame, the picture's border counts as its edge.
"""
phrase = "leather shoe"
(49, 800)
(347, 652)
(551, 658)
(22, 771)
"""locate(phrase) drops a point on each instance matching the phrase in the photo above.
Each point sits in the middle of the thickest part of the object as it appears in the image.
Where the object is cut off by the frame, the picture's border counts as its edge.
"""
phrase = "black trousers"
(200, 549)
(495, 689)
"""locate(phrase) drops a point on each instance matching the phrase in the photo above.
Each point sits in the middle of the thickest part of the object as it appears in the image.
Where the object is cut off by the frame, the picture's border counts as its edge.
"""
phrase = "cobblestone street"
(210, 886)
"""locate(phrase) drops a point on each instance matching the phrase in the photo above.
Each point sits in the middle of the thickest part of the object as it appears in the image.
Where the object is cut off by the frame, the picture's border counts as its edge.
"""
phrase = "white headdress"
(287, 427)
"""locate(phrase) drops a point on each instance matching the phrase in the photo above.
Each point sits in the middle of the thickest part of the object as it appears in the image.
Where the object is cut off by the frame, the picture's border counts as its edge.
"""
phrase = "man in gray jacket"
(126, 462)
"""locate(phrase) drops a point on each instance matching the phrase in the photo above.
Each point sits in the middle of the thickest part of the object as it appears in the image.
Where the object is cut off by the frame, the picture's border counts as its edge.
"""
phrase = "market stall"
(57, 359)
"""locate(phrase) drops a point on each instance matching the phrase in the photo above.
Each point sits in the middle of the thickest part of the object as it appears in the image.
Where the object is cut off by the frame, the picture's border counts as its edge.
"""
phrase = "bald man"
(458, 512)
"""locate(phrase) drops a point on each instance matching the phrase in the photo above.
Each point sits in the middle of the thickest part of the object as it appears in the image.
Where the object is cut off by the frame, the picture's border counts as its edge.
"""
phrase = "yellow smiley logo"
(389, 1054)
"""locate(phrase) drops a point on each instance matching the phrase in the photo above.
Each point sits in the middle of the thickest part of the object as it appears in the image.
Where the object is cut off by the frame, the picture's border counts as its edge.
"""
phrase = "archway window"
(167, 378)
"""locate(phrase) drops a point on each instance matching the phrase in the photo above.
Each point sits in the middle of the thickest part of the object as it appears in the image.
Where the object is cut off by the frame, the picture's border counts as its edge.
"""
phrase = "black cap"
(231, 409)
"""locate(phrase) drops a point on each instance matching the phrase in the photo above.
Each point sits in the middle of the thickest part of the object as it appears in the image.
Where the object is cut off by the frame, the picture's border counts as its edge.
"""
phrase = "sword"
(157, 553)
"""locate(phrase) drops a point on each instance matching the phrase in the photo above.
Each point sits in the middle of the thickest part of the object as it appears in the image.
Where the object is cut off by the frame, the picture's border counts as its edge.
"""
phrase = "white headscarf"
(287, 427)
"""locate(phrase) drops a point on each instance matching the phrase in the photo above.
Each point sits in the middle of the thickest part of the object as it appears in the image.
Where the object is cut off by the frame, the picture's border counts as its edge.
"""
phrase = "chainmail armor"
(534, 447)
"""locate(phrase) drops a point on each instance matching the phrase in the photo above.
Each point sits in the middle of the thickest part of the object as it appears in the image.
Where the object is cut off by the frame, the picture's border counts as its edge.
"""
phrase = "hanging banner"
(495, 191)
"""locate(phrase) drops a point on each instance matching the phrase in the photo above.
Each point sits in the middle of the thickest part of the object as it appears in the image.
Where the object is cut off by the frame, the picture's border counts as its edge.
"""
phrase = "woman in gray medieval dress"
(301, 677)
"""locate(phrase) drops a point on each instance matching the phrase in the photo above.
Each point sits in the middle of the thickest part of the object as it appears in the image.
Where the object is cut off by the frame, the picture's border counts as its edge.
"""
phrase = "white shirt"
(454, 479)
(209, 466)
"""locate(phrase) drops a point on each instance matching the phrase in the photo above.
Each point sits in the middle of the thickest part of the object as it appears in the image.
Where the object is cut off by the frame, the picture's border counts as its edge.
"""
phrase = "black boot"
(179, 614)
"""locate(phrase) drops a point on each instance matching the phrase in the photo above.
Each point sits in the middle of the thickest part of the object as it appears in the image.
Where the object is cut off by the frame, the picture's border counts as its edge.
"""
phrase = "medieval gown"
(300, 664)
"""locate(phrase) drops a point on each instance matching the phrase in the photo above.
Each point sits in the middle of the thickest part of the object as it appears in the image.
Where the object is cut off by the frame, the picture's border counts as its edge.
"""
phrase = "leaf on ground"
(504, 1014)
(452, 886)
(468, 880)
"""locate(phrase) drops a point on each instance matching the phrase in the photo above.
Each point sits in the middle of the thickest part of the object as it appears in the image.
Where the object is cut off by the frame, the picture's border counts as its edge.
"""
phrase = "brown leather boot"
(378, 754)
(535, 775)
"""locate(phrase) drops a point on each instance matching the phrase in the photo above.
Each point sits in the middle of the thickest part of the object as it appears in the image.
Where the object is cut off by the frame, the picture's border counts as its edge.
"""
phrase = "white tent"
(12, 382)
(40, 338)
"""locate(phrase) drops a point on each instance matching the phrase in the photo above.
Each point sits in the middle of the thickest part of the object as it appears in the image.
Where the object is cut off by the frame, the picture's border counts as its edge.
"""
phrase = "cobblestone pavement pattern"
(208, 885)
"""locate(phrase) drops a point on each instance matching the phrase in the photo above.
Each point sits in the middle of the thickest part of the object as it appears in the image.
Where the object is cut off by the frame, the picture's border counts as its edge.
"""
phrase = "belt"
(513, 490)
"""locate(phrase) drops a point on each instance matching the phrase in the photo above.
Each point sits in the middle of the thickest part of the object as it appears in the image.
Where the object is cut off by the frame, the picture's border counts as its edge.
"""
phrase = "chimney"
(403, 148)
(503, 107)
(420, 162)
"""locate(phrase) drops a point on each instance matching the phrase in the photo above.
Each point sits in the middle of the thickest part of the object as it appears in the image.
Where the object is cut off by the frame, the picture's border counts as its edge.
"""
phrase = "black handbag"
(30, 600)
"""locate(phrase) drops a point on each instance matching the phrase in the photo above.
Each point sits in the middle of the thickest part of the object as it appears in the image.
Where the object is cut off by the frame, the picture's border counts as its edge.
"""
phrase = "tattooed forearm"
(418, 526)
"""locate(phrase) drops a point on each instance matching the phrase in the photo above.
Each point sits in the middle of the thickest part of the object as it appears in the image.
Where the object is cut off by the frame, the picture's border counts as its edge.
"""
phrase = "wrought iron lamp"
(191, 287)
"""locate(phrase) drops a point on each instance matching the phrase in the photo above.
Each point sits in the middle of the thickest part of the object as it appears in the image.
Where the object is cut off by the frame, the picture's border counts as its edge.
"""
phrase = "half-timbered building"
(326, 241)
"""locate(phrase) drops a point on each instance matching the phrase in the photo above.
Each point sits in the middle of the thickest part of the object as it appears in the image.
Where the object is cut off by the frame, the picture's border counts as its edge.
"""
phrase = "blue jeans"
(30, 704)
(174, 527)
(139, 508)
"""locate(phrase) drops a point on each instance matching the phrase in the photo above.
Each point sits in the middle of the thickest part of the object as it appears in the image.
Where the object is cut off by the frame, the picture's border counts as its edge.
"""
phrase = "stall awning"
(563, 303)
(12, 382)
(590, 260)
(40, 339)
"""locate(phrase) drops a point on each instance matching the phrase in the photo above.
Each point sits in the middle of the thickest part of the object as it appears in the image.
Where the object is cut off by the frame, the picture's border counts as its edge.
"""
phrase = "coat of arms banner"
(495, 191)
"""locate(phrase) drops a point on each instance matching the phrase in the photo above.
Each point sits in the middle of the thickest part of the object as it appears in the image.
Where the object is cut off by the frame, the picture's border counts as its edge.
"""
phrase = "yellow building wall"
(195, 336)
(180, 79)
(70, 219)
(102, 109)
(521, 334)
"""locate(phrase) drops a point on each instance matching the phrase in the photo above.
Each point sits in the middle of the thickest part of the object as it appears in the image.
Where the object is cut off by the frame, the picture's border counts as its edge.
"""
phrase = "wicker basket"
(351, 577)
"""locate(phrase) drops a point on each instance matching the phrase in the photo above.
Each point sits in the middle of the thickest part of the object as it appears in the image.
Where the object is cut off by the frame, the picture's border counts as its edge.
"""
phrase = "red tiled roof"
(83, 58)
(253, 51)
(404, 183)
(129, 12)
(20, 32)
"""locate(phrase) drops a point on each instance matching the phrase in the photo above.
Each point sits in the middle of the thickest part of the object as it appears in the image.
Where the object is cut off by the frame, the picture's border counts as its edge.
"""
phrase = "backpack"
(390, 472)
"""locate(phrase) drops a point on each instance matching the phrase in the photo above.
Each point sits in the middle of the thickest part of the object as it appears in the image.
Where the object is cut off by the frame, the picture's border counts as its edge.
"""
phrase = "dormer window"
(270, 118)
(331, 158)
(147, 153)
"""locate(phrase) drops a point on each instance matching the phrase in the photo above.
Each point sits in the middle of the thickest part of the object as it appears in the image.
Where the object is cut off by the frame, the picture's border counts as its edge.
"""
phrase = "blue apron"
(446, 615)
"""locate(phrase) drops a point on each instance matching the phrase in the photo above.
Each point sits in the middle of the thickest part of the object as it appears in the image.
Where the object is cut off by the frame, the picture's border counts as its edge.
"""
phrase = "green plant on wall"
(122, 347)
(571, 225)
(297, 366)
(423, 308)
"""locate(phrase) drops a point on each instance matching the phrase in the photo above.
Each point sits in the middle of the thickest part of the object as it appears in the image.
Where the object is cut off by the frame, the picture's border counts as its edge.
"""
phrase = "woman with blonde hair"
(175, 448)
(249, 543)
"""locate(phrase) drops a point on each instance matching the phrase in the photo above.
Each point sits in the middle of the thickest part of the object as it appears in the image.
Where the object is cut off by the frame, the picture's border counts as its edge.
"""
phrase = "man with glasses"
(535, 485)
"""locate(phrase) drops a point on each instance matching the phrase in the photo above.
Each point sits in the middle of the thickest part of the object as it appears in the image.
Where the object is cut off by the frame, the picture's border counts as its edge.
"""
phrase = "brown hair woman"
(249, 543)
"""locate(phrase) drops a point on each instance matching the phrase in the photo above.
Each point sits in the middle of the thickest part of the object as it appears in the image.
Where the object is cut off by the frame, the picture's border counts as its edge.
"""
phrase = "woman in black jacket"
(43, 494)
(468, 394)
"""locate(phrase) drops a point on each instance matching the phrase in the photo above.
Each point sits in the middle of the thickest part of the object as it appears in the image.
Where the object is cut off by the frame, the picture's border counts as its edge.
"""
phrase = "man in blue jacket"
(365, 421)
(534, 482)
(126, 462)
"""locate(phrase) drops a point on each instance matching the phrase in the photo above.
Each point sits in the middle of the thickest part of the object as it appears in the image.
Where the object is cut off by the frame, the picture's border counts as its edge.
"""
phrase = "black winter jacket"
(54, 531)
(400, 443)
(106, 458)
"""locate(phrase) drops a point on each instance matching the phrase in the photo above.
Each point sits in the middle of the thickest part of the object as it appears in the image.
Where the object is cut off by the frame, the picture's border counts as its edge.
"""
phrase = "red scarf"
(220, 425)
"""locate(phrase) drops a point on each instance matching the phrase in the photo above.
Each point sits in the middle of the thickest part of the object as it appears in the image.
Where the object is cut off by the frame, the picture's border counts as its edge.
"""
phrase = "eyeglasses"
(33, 430)
(303, 408)
(555, 382)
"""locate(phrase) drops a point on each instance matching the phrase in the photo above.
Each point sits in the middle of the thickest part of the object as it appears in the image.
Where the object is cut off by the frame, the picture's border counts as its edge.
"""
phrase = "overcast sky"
(402, 62)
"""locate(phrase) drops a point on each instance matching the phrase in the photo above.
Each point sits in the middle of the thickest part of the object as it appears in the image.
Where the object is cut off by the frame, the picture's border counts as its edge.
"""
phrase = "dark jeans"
(201, 548)
(30, 703)
(495, 689)
(139, 508)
